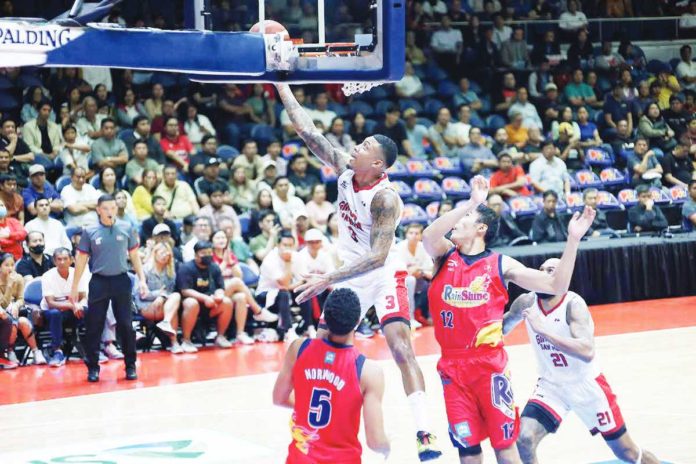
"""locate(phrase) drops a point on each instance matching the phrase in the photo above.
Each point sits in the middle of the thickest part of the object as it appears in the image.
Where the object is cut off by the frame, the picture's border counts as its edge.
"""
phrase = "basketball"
(271, 27)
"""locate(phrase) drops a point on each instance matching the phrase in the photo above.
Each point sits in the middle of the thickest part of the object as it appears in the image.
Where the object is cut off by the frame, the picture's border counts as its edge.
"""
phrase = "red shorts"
(479, 400)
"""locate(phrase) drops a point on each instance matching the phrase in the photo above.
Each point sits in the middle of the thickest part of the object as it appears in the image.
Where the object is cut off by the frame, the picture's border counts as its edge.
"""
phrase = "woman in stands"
(142, 195)
(153, 105)
(566, 115)
(262, 106)
(358, 131)
(318, 208)
(338, 137)
(653, 127)
(108, 185)
(30, 110)
(161, 304)
(589, 134)
(104, 99)
(241, 190)
(11, 303)
(264, 201)
(128, 109)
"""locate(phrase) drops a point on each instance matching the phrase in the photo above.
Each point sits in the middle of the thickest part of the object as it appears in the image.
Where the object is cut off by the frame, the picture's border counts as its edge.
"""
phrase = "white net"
(351, 88)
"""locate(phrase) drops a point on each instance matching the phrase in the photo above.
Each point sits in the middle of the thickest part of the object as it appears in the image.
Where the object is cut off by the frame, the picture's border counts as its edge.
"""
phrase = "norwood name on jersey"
(327, 375)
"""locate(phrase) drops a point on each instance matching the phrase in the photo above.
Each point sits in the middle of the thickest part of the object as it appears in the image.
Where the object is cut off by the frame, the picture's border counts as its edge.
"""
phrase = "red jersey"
(467, 299)
(328, 400)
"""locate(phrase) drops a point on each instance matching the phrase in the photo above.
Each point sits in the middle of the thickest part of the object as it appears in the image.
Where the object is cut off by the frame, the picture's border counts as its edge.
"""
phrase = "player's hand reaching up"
(479, 189)
(580, 223)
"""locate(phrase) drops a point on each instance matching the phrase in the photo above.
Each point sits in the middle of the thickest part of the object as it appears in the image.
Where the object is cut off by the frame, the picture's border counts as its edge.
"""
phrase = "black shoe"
(93, 374)
(131, 374)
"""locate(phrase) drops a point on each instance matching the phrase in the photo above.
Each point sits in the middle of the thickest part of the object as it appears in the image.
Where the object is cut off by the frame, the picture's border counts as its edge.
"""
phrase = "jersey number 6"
(319, 408)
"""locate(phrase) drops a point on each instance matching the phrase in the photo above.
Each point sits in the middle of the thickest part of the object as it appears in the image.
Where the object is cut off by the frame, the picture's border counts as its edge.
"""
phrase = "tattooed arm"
(308, 132)
(385, 216)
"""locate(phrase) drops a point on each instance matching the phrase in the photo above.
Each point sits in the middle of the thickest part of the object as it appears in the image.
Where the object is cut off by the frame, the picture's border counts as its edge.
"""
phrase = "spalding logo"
(476, 294)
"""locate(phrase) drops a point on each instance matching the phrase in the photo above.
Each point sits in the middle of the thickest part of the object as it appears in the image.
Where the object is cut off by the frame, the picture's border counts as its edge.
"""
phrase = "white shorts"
(387, 294)
(592, 400)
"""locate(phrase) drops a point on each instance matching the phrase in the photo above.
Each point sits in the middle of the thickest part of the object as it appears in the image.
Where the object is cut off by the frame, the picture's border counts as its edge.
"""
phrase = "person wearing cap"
(38, 187)
(416, 133)
(549, 104)
(159, 216)
(107, 246)
(268, 176)
(216, 209)
(13, 201)
(300, 178)
(202, 289)
(300, 226)
(211, 180)
(162, 234)
(52, 229)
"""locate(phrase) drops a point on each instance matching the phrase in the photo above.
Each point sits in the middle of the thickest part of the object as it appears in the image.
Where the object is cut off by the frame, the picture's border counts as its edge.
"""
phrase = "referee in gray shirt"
(107, 246)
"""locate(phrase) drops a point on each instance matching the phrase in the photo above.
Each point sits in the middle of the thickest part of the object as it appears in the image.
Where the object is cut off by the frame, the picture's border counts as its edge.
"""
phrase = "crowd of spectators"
(231, 208)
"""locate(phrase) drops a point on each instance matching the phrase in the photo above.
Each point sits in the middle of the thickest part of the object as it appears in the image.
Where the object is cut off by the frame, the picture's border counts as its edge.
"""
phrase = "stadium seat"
(360, 106)
(381, 108)
(428, 90)
(8, 102)
(370, 125)
(427, 190)
(574, 201)
(244, 220)
(407, 103)
(397, 170)
(655, 66)
(495, 122)
(62, 182)
(523, 206)
(381, 92)
(607, 200)
(627, 197)
(599, 157)
(32, 292)
(448, 166)
(263, 134)
(678, 195)
(413, 213)
(227, 152)
(659, 196)
(26, 80)
(611, 177)
(587, 179)
(403, 189)
(456, 187)
(561, 205)
(432, 209)
(95, 182)
(425, 122)
(249, 277)
(434, 73)
(327, 174)
(420, 168)
(290, 149)
(446, 89)
(432, 106)
(340, 110)
(6, 83)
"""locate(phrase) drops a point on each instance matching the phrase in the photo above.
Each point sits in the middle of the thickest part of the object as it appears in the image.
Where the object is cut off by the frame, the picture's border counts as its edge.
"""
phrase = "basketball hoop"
(353, 88)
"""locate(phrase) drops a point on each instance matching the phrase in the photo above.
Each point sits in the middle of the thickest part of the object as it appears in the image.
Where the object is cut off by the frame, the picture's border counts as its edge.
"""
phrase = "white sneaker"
(312, 332)
(112, 352)
(222, 342)
(291, 336)
(12, 356)
(166, 327)
(188, 347)
(265, 316)
(176, 348)
(39, 358)
(415, 325)
(244, 339)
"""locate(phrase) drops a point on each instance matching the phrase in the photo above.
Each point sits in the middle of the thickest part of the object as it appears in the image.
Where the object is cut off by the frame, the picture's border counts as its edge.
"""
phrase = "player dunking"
(561, 332)
(369, 212)
(331, 381)
(467, 300)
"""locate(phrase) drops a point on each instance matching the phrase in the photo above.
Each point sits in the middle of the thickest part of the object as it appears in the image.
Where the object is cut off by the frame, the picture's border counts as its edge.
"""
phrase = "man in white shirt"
(410, 86)
(501, 31)
(549, 172)
(420, 269)
(461, 128)
(52, 229)
(416, 133)
(442, 135)
(284, 203)
(273, 153)
(688, 19)
(686, 69)
(530, 116)
(573, 19)
(80, 200)
(321, 111)
(447, 46)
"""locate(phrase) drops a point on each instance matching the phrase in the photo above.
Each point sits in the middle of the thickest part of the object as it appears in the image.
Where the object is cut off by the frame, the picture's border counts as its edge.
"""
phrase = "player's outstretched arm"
(558, 283)
(514, 316)
(372, 384)
(581, 344)
(283, 390)
(434, 239)
(316, 142)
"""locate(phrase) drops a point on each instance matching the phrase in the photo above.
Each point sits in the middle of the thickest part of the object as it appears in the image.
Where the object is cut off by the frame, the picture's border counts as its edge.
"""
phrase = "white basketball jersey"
(355, 219)
(554, 365)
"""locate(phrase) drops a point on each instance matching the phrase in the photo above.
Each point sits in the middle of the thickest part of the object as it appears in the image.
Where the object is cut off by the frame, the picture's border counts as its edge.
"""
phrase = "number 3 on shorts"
(391, 302)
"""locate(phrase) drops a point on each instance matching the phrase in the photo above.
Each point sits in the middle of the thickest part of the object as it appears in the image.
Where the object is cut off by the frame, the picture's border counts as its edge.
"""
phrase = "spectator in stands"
(420, 269)
(501, 31)
(547, 49)
(677, 167)
(241, 190)
(608, 61)
(593, 81)
(410, 86)
(569, 148)
(522, 106)
(645, 216)
(234, 113)
(531, 150)
(284, 202)
(38, 187)
(285, 123)
(34, 96)
(125, 210)
(268, 177)
(337, 136)
(12, 200)
(645, 97)
(447, 45)
(197, 162)
(508, 229)
(262, 106)
(572, 20)
(274, 153)
(507, 95)
(500, 142)
(11, 301)
(630, 92)
(202, 232)
(581, 53)
(266, 240)
(577, 92)
(210, 181)
(442, 135)
(108, 151)
(160, 215)
(52, 230)
(197, 126)
(18, 149)
(668, 85)
(689, 208)
(36, 262)
(566, 116)
(136, 167)
(128, 109)
(686, 69)
(142, 195)
(414, 53)
(549, 105)
(6, 167)
(644, 165)
(141, 131)
(616, 108)
(358, 131)
(599, 225)
(216, 209)
(249, 160)
(516, 133)
(465, 96)
(89, 124)
(274, 291)
(549, 172)
(514, 52)
(153, 105)
(475, 157)
(176, 146)
(108, 185)
(393, 128)
(43, 136)
(321, 111)
(687, 22)
(318, 208)
(653, 127)
(539, 79)
(623, 142)
(75, 151)
(677, 117)
(202, 287)
(302, 180)
(589, 134)
(688, 138)
(177, 194)
(461, 128)
(509, 180)
(547, 225)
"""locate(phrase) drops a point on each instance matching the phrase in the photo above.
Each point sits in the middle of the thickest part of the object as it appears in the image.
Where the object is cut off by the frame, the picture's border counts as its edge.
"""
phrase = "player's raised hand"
(314, 284)
(580, 223)
(479, 189)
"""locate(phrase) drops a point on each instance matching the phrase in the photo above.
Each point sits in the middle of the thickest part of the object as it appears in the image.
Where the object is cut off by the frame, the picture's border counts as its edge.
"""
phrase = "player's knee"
(626, 453)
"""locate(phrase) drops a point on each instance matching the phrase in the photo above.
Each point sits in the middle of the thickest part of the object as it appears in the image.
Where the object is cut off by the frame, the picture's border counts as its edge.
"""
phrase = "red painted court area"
(35, 383)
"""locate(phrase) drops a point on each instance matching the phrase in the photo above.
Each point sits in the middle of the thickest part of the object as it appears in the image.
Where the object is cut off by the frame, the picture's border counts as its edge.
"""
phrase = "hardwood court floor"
(215, 406)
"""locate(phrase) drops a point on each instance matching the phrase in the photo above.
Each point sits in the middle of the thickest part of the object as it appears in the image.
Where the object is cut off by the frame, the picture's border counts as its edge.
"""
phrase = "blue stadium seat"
(428, 90)
(62, 182)
(420, 168)
(655, 66)
(263, 133)
(425, 122)
(587, 179)
(598, 156)
(523, 206)
(432, 106)
(448, 166)
(378, 93)
(403, 189)
(381, 108)
(674, 62)
(431, 210)
(455, 187)
(659, 196)
(95, 182)
(413, 213)
(495, 122)
(612, 176)
(407, 103)
(485, 104)
(627, 197)
(678, 195)
(360, 106)
(370, 125)
(607, 200)
(477, 122)
(434, 73)
(244, 220)
(397, 170)
(327, 174)
(29, 80)
(227, 152)
(32, 292)
(574, 201)
(249, 277)
(427, 190)
(337, 108)
(475, 87)
(9, 102)
(446, 89)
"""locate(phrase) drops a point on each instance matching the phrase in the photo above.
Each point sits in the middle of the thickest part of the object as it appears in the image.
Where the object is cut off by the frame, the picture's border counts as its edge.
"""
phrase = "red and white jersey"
(355, 222)
(554, 365)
